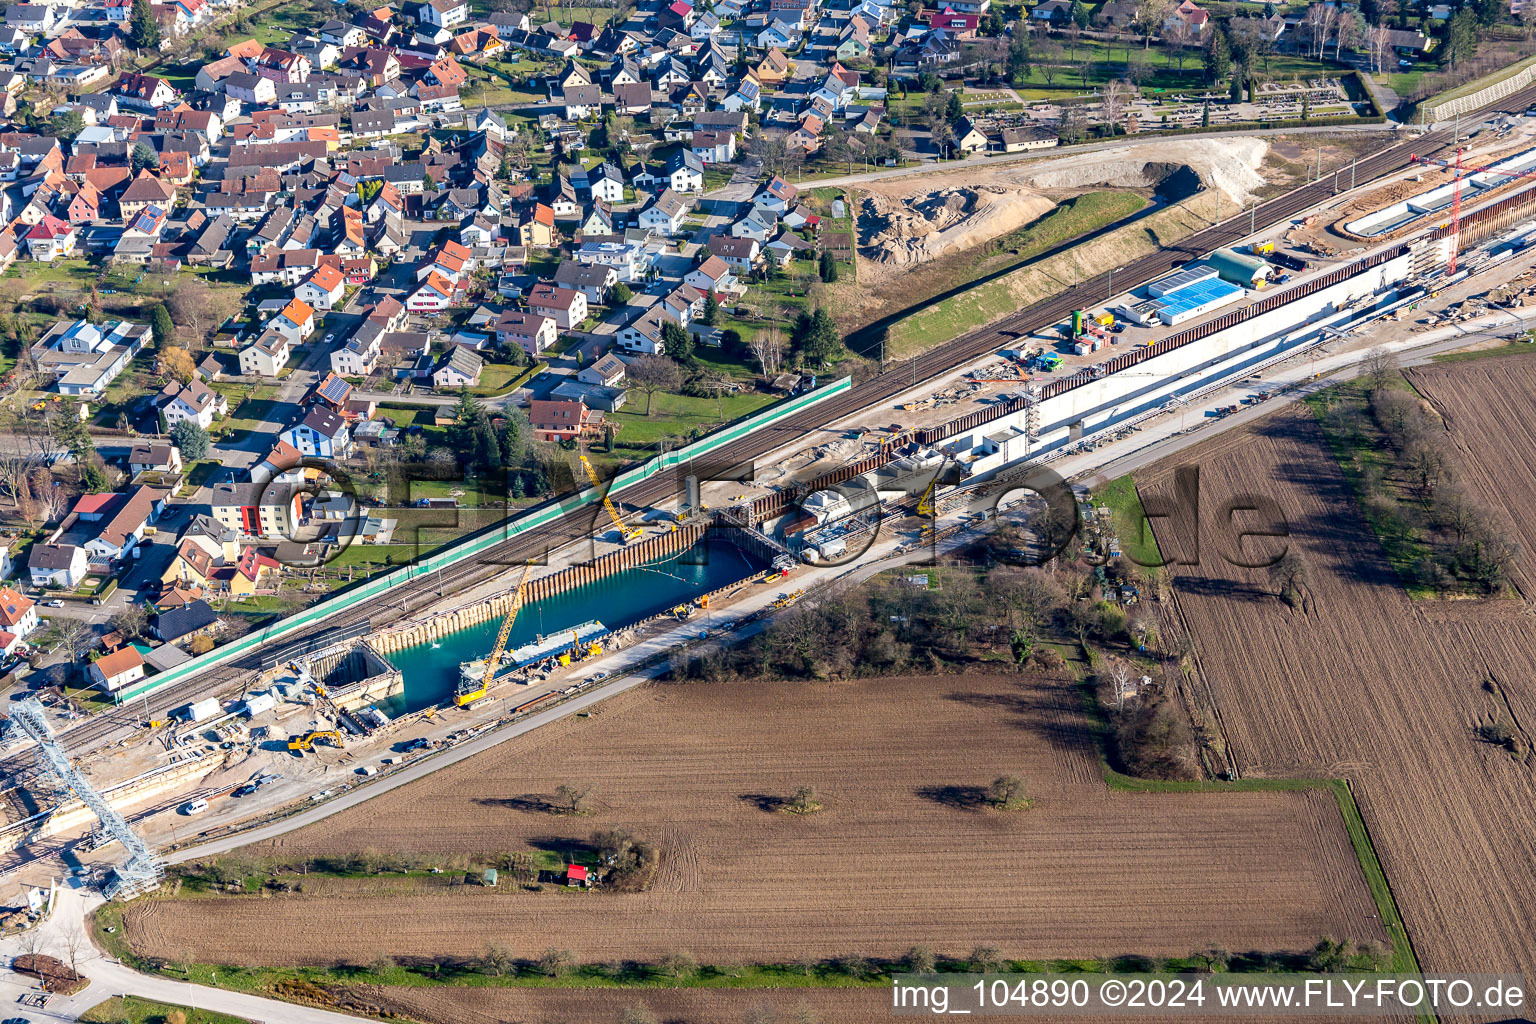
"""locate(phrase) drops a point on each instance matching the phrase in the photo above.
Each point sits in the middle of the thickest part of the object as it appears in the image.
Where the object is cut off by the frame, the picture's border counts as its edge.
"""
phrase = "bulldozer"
(303, 744)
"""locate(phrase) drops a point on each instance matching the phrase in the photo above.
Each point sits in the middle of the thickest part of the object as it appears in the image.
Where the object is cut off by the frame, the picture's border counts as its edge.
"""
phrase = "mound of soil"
(52, 972)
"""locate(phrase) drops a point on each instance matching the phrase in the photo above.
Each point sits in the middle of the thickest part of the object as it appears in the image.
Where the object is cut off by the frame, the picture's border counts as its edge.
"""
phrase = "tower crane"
(1460, 168)
(470, 689)
(628, 533)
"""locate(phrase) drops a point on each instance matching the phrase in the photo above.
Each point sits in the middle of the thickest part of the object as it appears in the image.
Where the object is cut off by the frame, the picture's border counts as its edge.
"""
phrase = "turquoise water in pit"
(431, 673)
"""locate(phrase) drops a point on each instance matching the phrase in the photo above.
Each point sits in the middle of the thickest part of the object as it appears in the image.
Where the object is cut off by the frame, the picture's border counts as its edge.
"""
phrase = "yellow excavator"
(629, 533)
(470, 691)
(308, 740)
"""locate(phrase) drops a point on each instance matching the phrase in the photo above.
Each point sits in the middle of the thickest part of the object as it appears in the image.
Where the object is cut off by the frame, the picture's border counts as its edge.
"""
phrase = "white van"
(195, 807)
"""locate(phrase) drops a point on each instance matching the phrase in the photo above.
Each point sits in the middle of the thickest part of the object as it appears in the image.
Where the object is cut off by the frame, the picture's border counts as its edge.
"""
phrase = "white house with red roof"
(324, 288)
(1190, 14)
(296, 322)
(18, 613)
(567, 307)
(51, 239)
(433, 295)
(144, 91)
(713, 276)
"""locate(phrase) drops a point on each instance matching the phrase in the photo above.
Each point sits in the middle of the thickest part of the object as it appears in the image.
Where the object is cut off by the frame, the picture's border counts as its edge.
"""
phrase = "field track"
(1360, 681)
(890, 862)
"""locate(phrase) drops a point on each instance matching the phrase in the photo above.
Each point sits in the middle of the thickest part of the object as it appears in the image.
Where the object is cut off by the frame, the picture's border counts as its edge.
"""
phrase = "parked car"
(195, 807)
(55, 603)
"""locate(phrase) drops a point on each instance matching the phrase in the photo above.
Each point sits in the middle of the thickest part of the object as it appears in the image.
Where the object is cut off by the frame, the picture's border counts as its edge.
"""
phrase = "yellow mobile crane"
(469, 690)
(629, 533)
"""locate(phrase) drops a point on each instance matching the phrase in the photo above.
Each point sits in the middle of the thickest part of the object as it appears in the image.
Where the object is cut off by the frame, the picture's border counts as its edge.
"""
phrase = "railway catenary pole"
(534, 542)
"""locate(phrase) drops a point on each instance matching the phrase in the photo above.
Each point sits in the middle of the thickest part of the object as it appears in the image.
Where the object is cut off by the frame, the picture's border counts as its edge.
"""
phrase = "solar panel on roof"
(1198, 294)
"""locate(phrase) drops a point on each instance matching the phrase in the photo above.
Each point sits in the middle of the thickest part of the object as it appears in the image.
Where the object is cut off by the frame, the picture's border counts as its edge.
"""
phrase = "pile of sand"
(906, 221)
(903, 230)
(1231, 165)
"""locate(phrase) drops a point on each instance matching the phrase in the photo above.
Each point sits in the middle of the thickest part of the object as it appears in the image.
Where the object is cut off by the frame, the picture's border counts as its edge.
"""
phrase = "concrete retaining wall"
(654, 549)
(469, 548)
(1474, 101)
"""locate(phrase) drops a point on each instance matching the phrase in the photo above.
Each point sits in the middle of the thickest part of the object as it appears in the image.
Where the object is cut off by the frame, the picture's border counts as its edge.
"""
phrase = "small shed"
(576, 875)
(489, 877)
(1244, 271)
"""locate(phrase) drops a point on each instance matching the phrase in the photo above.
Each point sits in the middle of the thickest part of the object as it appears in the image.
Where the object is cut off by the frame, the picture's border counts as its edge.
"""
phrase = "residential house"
(528, 331)
(458, 368)
(665, 213)
(776, 196)
(51, 239)
(324, 288)
(57, 565)
(173, 625)
(566, 306)
(296, 321)
(563, 421)
(269, 509)
(433, 295)
(18, 613)
(114, 671)
(145, 92)
(267, 355)
(740, 254)
(321, 433)
(713, 276)
(607, 371)
(193, 401)
(591, 280)
(154, 457)
(123, 517)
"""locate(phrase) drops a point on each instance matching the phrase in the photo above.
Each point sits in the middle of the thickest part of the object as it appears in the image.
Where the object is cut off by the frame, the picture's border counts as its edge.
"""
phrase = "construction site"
(328, 715)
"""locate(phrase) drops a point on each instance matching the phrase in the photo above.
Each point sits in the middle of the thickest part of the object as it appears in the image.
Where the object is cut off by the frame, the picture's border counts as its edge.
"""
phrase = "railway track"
(583, 522)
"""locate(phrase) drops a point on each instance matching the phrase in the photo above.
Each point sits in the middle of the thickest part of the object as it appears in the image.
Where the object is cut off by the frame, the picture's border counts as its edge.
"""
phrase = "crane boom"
(1461, 169)
(493, 660)
(626, 532)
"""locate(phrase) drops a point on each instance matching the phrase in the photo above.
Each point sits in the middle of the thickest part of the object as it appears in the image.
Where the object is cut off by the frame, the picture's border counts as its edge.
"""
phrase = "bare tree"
(1007, 792)
(768, 349)
(496, 959)
(14, 467)
(1347, 33)
(1379, 43)
(557, 963)
(654, 373)
(572, 799)
(1318, 19)
(1288, 576)
(32, 941)
(75, 946)
(1117, 92)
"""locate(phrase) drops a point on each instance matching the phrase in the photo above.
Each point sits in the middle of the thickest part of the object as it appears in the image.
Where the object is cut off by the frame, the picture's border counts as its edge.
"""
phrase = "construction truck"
(303, 744)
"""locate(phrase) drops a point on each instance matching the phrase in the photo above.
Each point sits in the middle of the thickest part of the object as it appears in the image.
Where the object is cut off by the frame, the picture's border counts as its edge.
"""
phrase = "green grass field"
(146, 1011)
(938, 322)
(676, 416)
(1131, 524)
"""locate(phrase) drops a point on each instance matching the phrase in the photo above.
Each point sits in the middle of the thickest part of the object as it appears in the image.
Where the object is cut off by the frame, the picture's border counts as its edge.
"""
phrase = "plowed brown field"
(890, 862)
(1363, 682)
(675, 1006)
(1489, 409)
